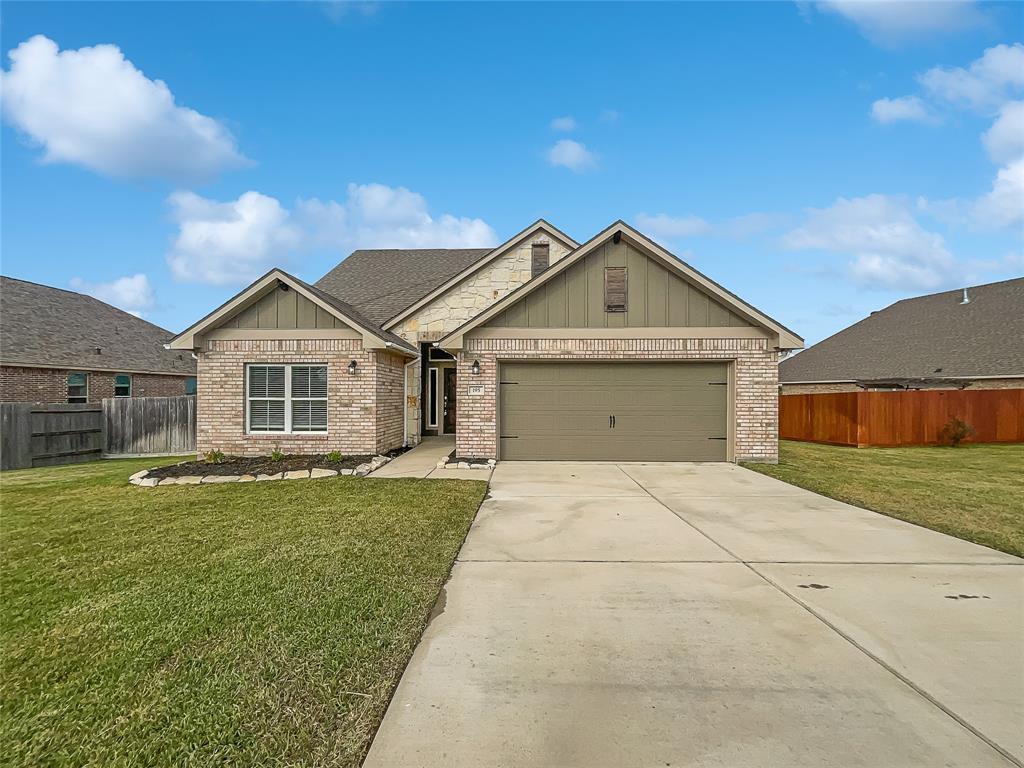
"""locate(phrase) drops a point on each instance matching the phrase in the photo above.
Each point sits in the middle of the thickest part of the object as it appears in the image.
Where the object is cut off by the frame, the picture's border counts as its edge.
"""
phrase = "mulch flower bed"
(263, 465)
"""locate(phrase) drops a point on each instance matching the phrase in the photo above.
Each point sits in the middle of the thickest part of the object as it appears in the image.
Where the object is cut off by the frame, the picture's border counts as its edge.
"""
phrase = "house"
(972, 337)
(541, 348)
(58, 346)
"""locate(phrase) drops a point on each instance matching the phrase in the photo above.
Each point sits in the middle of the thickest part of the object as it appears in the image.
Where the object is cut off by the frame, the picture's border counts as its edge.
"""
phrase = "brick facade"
(363, 410)
(50, 385)
(755, 383)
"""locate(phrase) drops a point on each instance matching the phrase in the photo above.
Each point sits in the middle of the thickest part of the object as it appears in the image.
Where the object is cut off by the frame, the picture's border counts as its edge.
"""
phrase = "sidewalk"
(422, 460)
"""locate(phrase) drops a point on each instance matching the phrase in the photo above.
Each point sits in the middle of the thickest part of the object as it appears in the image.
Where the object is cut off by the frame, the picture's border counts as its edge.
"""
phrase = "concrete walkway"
(422, 460)
(705, 615)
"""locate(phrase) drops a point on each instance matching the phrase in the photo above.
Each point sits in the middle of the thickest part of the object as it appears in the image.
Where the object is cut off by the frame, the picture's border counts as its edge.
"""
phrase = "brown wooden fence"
(914, 417)
(43, 435)
(149, 425)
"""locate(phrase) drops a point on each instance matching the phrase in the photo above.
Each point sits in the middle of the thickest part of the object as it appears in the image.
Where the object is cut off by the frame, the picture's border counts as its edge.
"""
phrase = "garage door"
(613, 411)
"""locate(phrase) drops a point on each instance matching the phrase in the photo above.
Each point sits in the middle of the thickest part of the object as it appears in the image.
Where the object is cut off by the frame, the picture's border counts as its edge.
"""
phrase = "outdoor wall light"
(352, 368)
(476, 368)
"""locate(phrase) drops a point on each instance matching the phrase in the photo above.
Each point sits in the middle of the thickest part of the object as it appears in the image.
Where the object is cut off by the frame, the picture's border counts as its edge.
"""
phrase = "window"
(540, 257)
(614, 289)
(122, 385)
(287, 398)
(190, 385)
(78, 387)
(432, 398)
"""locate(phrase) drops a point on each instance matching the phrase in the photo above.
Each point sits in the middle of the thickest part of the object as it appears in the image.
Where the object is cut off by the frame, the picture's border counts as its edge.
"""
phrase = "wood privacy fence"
(150, 425)
(914, 417)
(40, 435)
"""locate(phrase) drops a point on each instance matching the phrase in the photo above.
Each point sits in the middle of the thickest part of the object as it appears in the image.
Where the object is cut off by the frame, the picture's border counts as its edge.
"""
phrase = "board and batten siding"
(283, 310)
(655, 297)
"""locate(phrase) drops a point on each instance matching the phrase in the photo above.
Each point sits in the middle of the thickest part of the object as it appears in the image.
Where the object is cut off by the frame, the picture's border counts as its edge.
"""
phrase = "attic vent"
(540, 257)
(615, 289)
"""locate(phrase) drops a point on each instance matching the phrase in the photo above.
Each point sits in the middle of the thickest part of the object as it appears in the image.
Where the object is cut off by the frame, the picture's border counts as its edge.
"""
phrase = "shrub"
(276, 455)
(334, 457)
(214, 457)
(955, 432)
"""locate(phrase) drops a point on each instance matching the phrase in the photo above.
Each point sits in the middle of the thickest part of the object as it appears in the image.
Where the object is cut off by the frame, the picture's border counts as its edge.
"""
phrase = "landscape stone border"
(142, 479)
(451, 461)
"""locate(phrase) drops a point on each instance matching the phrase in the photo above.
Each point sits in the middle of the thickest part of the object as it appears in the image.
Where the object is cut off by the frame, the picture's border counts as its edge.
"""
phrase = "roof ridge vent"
(966, 299)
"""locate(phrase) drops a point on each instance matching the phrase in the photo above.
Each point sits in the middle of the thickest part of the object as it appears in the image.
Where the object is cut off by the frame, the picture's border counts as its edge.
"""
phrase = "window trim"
(131, 384)
(287, 399)
(79, 399)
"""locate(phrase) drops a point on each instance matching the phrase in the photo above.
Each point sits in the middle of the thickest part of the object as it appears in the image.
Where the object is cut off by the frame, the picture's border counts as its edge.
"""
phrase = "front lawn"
(243, 625)
(974, 492)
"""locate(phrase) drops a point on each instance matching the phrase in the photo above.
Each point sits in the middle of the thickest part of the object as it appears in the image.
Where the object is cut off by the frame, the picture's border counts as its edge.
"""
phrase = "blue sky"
(819, 159)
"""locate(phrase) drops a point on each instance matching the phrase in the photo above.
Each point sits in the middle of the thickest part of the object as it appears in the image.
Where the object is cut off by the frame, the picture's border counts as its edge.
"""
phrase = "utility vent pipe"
(966, 299)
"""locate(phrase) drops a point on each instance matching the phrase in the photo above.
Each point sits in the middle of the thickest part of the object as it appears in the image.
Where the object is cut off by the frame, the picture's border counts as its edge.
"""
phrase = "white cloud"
(1004, 205)
(236, 241)
(902, 108)
(665, 227)
(984, 84)
(889, 248)
(566, 123)
(572, 155)
(92, 107)
(1005, 139)
(891, 22)
(132, 293)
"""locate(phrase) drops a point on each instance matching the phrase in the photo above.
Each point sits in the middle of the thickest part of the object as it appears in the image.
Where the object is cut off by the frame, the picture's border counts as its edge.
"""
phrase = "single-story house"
(967, 338)
(59, 346)
(541, 348)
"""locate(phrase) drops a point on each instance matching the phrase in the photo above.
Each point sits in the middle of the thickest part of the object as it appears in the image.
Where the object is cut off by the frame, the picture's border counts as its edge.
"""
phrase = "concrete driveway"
(706, 615)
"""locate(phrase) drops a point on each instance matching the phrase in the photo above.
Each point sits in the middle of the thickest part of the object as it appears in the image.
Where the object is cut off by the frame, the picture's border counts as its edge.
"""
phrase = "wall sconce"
(476, 368)
(352, 368)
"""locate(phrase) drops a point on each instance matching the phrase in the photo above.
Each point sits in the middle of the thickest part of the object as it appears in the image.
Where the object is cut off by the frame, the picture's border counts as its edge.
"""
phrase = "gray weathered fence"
(149, 425)
(43, 435)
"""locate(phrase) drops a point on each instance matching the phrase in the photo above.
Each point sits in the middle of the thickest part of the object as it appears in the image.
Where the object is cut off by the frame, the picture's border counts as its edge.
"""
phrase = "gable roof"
(382, 282)
(373, 335)
(787, 338)
(539, 226)
(51, 327)
(928, 337)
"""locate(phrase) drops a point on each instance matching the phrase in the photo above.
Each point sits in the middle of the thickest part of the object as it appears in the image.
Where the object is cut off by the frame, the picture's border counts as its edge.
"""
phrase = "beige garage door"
(613, 411)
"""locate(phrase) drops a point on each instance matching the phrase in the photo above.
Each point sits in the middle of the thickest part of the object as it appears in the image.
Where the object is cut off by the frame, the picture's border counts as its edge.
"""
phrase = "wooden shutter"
(541, 257)
(614, 289)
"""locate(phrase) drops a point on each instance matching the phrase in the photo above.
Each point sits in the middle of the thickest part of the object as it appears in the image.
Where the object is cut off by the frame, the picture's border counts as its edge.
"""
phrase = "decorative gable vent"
(614, 289)
(540, 254)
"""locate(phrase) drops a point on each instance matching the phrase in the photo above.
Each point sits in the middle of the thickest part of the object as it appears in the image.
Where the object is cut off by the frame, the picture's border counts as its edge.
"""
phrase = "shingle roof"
(382, 282)
(40, 325)
(930, 337)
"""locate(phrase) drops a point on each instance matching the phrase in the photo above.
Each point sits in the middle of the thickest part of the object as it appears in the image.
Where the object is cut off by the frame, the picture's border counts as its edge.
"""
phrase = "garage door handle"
(611, 422)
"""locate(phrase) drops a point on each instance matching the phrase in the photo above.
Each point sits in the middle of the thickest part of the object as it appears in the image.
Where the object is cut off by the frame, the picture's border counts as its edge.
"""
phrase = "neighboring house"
(541, 348)
(972, 337)
(59, 346)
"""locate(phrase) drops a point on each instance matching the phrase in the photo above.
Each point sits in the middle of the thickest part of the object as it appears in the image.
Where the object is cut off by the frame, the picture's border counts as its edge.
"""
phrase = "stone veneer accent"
(362, 410)
(477, 292)
(20, 384)
(755, 383)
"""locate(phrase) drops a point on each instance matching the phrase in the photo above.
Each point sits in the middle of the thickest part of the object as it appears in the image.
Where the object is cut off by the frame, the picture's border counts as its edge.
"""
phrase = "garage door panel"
(663, 411)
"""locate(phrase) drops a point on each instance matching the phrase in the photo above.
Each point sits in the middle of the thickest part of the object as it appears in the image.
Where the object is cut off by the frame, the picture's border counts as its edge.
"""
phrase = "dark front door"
(449, 401)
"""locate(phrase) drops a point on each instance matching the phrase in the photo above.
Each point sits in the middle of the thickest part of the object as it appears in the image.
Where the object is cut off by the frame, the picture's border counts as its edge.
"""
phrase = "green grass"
(258, 624)
(974, 492)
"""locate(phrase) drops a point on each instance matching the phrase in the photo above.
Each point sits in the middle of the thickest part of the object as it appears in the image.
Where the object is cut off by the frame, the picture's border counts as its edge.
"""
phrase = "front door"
(449, 401)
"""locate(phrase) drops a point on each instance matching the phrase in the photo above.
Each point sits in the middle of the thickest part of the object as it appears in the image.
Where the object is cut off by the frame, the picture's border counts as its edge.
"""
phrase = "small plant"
(214, 457)
(276, 455)
(955, 432)
(334, 457)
